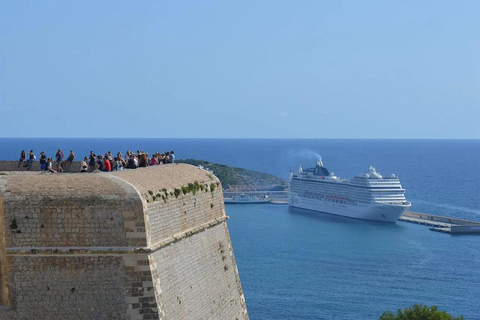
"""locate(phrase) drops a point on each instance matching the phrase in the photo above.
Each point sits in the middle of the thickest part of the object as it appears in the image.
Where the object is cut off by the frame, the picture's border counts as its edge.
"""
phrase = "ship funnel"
(320, 163)
(300, 169)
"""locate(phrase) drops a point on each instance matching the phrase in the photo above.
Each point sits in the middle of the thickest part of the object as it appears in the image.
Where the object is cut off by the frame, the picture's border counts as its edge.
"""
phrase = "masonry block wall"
(13, 166)
(150, 243)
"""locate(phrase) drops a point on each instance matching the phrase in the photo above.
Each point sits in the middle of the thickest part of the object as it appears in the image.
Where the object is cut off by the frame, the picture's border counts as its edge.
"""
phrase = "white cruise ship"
(368, 196)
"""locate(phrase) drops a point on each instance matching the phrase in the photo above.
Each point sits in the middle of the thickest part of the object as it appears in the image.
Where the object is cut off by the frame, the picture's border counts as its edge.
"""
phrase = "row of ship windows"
(343, 185)
(346, 201)
(336, 186)
(350, 192)
(350, 202)
(320, 196)
(397, 196)
(379, 193)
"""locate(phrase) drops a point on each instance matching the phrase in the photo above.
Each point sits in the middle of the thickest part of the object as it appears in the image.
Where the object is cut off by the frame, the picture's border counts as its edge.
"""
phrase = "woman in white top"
(50, 166)
(84, 165)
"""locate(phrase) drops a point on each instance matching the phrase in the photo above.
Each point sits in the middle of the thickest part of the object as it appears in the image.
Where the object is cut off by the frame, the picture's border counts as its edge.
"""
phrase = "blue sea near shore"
(296, 264)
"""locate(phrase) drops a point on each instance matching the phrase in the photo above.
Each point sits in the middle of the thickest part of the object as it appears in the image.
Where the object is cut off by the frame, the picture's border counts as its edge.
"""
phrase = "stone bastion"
(150, 243)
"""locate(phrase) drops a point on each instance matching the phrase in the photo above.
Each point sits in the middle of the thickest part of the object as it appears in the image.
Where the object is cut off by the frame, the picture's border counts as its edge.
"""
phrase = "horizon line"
(237, 138)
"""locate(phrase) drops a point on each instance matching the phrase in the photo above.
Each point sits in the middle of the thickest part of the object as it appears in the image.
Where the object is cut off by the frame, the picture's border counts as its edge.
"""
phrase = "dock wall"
(465, 229)
(435, 218)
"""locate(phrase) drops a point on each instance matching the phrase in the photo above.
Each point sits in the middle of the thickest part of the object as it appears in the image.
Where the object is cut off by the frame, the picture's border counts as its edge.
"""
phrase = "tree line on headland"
(239, 179)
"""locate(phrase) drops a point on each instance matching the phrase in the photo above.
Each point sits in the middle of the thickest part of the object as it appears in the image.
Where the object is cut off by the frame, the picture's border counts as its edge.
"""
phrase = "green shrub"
(419, 312)
(197, 185)
(191, 188)
(177, 192)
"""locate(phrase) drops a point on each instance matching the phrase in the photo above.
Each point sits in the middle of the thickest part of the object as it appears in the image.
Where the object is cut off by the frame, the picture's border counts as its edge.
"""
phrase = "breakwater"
(442, 224)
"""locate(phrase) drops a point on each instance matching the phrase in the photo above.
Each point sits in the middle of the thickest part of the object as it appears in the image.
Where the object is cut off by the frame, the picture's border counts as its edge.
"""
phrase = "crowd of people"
(107, 162)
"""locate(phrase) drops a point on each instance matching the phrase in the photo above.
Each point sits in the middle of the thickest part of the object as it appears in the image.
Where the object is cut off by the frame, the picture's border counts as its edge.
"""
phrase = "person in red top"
(153, 161)
(107, 166)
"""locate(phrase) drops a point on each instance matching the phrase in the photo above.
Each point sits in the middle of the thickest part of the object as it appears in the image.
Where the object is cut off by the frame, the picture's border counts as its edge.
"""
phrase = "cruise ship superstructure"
(369, 196)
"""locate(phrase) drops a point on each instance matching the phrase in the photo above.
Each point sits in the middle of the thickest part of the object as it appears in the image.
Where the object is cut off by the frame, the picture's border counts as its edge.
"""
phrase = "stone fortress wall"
(13, 166)
(150, 243)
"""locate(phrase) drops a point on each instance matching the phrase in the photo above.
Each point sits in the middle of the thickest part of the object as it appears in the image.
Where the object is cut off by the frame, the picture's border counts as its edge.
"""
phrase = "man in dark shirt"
(131, 164)
(31, 158)
(59, 157)
(43, 161)
(91, 162)
(100, 163)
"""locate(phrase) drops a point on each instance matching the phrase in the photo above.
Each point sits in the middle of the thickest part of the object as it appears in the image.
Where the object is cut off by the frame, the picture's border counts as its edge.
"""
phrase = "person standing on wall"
(43, 161)
(91, 161)
(166, 157)
(70, 159)
(22, 158)
(111, 160)
(59, 157)
(31, 158)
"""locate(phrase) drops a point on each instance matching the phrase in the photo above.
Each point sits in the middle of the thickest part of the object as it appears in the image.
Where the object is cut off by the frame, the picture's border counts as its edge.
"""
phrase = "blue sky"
(249, 69)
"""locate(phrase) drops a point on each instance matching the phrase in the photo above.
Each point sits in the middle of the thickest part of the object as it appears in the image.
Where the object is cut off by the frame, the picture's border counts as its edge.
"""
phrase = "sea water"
(297, 264)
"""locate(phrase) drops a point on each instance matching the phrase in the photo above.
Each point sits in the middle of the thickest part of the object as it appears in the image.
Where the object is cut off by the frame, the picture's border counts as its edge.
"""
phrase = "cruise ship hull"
(374, 212)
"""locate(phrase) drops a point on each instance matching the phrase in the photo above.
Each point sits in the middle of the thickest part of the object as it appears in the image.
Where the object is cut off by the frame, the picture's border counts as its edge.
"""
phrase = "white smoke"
(306, 157)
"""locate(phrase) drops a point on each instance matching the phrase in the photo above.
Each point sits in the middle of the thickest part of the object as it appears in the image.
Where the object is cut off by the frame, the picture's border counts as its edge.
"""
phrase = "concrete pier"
(442, 224)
